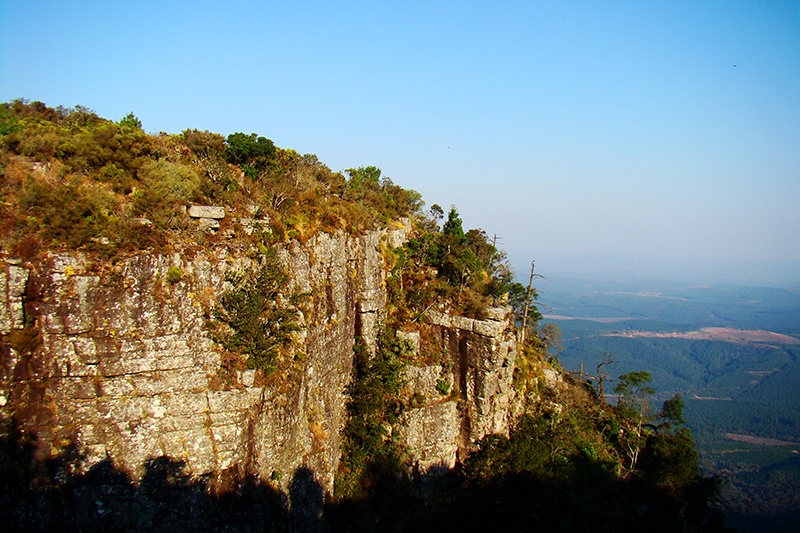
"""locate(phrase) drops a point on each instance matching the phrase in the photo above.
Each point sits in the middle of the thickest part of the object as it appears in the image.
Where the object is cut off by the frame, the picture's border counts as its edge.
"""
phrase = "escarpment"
(117, 362)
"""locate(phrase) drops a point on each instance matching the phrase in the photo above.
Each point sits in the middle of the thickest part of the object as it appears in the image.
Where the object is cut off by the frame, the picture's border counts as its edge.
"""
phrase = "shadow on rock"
(60, 494)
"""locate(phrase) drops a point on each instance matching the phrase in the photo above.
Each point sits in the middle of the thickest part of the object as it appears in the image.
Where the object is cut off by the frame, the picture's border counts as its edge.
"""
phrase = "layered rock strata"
(116, 362)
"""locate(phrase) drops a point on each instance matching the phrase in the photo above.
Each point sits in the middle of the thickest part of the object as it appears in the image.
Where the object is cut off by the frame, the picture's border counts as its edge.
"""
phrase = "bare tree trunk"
(527, 307)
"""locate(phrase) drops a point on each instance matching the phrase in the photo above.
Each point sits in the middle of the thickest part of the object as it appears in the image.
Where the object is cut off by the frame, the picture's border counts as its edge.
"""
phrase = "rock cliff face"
(116, 362)
(466, 398)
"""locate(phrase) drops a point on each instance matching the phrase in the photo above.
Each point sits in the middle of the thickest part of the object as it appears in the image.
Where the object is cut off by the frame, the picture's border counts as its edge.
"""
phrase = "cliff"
(207, 333)
(116, 362)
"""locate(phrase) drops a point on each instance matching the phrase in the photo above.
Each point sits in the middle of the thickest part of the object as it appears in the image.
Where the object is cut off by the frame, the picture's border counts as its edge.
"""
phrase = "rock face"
(13, 281)
(117, 362)
(455, 404)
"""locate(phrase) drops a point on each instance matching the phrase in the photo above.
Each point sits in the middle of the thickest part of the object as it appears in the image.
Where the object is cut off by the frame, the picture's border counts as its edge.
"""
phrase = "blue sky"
(648, 137)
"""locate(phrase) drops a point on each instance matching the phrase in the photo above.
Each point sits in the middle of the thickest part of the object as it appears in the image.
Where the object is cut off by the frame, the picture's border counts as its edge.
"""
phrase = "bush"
(250, 152)
(259, 325)
(166, 188)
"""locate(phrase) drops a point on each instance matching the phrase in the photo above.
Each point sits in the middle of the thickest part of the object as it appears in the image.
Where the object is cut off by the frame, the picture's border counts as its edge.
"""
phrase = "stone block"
(186, 404)
(462, 323)
(79, 388)
(422, 380)
(117, 387)
(439, 319)
(17, 283)
(197, 449)
(248, 377)
(207, 211)
(85, 350)
(431, 434)
(5, 316)
(227, 436)
(228, 400)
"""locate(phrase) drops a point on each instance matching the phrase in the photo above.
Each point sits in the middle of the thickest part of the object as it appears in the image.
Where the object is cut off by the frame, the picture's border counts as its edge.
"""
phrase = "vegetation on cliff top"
(74, 180)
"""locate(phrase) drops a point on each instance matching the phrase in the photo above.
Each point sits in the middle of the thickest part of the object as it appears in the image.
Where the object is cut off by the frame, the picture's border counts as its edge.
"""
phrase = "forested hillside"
(734, 352)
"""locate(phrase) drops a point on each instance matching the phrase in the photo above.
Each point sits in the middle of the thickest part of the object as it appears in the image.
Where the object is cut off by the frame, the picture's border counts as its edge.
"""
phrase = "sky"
(633, 138)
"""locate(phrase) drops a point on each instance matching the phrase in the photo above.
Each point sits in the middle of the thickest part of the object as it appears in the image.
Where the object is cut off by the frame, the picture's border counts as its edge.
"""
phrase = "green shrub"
(251, 152)
(260, 326)
(166, 188)
(174, 274)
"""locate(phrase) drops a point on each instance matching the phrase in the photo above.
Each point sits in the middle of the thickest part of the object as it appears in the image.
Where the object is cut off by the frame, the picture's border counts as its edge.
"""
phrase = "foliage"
(634, 392)
(8, 121)
(73, 179)
(743, 389)
(251, 152)
(672, 410)
(371, 450)
(204, 143)
(260, 321)
(460, 270)
(167, 187)
(364, 178)
(563, 464)
(669, 460)
(174, 274)
(130, 122)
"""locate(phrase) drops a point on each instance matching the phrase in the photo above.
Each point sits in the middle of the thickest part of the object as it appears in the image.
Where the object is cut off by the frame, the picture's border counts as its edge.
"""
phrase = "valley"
(732, 352)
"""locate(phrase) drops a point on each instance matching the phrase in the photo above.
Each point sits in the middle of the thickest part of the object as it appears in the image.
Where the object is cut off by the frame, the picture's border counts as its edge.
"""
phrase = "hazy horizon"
(622, 269)
(658, 137)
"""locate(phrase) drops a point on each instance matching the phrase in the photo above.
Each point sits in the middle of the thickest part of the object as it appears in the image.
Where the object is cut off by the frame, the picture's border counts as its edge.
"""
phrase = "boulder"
(207, 211)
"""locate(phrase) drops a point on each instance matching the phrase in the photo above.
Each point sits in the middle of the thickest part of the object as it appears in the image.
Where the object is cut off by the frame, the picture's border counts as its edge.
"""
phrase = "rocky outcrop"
(483, 354)
(208, 216)
(480, 399)
(116, 362)
(432, 422)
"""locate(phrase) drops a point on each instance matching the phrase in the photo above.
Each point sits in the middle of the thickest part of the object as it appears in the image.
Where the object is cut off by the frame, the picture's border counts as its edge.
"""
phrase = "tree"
(204, 143)
(364, 177)
(453, 229)
(634, 400)
(602, 376)
(372, 450)
(129, 122)
(251, 152)
(634, 391)
(669, 458)
(8, 121)
(260, 324)
(672, 411)
(437, 213)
